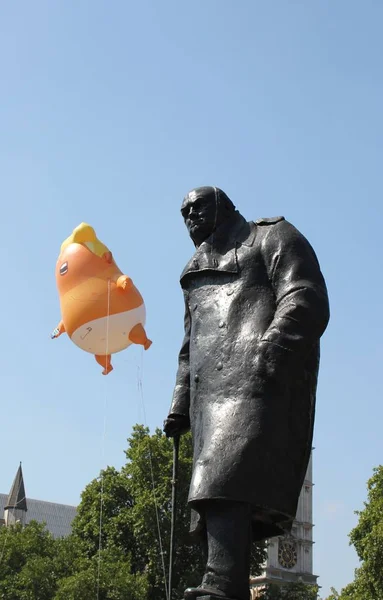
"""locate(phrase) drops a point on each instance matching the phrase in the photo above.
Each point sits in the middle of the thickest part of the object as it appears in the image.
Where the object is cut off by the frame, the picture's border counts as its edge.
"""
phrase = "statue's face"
(200, 213)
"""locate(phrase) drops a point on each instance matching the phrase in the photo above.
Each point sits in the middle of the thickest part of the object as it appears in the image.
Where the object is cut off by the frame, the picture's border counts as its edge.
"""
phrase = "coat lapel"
(219, 252)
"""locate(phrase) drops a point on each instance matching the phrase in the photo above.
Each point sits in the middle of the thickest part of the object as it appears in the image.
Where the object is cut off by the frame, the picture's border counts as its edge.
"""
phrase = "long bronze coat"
(255, 307)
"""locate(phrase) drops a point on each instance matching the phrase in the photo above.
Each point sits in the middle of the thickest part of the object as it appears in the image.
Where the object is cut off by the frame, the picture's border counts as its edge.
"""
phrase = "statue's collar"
(235, 231)
(218, 252)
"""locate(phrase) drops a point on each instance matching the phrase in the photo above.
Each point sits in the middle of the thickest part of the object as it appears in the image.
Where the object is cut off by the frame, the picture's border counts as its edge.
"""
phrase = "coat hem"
(266, 522)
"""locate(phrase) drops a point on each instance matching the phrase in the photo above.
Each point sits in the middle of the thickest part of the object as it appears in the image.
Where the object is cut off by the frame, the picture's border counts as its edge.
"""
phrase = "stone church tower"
(290, 558)
(15, 510)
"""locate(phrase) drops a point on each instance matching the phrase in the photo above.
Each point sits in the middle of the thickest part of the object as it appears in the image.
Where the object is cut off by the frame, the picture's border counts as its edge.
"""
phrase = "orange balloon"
(102, 311)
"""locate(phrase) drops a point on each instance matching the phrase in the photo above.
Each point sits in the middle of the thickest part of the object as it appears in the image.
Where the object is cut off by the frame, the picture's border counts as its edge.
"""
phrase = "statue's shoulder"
(269, 220)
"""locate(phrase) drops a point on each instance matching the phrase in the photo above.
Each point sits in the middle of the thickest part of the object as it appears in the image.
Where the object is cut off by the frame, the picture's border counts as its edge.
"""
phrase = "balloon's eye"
(64, 268)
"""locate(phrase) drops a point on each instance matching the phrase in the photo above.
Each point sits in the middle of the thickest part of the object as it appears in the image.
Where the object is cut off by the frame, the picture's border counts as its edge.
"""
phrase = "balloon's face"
(77, 264)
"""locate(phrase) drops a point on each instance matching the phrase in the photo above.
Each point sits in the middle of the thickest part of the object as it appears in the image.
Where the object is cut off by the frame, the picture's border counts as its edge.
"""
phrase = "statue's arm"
(179, 409)
(302, 306)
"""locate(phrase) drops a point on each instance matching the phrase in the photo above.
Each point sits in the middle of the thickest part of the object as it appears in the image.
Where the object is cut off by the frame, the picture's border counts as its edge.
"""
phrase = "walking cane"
(176, 446)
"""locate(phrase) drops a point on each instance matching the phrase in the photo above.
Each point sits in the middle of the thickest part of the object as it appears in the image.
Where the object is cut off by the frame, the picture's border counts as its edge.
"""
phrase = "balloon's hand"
(58, 331)
(124, 282)
(176, 425)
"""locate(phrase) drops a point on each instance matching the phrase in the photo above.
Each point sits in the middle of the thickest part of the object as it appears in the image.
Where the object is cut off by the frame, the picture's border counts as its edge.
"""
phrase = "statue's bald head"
(204, 209)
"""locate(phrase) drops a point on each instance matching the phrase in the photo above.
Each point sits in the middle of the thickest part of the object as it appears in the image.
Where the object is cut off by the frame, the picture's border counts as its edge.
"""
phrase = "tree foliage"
(367, 538)
(153, 456)
(136, 509)
(27, 563)
(291, 591)
(125, 558)
(106, 576)
(131, 522)
(334, 595)
(35, 566)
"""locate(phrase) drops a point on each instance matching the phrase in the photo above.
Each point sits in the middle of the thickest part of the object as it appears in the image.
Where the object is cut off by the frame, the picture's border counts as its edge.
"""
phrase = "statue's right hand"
(176, 425)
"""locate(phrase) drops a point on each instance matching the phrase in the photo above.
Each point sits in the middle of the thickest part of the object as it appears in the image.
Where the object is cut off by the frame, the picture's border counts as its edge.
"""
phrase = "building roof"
(58, 517)
(16, 498)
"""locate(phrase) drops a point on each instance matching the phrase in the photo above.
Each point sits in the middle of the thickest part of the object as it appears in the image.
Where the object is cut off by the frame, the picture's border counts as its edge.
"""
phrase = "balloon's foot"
(138, 336)
(108, 370)
(104, 361)
(147, 344)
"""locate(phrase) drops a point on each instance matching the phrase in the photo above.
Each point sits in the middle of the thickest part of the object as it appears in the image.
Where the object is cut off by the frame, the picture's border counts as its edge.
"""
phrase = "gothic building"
(290, 558)
(17, 508)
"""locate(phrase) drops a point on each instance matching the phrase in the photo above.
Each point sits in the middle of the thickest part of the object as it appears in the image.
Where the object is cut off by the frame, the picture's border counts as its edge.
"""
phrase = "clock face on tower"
(287, 554)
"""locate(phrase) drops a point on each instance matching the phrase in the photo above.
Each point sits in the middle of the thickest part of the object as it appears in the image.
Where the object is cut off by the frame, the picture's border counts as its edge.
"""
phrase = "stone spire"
(16, 506)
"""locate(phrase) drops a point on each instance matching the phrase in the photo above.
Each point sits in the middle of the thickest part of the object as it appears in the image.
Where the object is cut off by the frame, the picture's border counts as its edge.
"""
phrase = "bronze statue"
(256, 306)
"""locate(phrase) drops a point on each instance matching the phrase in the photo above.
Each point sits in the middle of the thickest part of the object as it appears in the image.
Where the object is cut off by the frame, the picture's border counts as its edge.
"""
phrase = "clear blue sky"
(110, 112)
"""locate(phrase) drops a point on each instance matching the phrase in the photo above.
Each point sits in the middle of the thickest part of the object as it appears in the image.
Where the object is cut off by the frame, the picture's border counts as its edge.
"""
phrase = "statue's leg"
(227, 571)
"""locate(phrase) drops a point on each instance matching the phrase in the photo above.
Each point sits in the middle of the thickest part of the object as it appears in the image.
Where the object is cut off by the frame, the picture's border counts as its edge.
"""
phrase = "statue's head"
(204, 209)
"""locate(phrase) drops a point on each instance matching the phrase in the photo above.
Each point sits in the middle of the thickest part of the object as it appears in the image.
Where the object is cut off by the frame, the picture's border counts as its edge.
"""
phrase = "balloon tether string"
(140, 388)
(103, 450)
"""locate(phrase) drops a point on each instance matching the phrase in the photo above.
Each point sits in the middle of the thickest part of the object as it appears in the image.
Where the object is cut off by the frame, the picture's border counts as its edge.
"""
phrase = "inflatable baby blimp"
(102, 311)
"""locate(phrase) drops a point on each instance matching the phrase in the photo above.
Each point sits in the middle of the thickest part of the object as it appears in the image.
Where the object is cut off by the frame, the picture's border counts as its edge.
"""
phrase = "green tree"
(136, 506)
(334, 595)
(107, 576)
(149, 471)
(111, 509)
(35, 566)
(27, 563)
(291, 591)
(130, 521)
(367, 538)
(115, 548)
